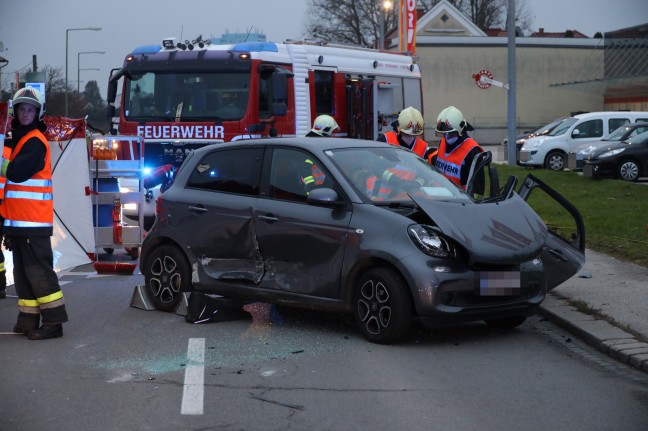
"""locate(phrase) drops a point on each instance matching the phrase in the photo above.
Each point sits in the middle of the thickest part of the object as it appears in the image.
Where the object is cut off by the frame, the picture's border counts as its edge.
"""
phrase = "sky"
(38, 27)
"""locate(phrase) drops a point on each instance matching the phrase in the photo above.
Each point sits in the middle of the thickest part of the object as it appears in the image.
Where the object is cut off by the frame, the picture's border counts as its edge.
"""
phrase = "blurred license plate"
(588, 170)
(499, 283)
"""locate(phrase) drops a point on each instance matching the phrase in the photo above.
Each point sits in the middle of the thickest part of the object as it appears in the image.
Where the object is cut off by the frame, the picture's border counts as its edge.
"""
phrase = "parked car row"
(575, 161)
(573, 135)
(382, 235)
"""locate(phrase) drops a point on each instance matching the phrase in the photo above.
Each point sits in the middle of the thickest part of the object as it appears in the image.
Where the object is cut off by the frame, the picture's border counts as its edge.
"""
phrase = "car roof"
(314, 145)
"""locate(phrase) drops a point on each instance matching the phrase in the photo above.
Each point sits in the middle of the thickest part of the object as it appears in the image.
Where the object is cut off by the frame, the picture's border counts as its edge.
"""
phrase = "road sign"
(483, 83)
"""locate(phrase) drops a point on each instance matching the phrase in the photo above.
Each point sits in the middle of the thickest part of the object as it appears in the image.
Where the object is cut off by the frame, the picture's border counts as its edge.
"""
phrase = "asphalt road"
(123, 368)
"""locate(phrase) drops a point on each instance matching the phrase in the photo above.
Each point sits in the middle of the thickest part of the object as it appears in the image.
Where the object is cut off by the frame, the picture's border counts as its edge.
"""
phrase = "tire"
(628, 170)
(382, 306)
(167, 275)
(555, 161)
(506, 323)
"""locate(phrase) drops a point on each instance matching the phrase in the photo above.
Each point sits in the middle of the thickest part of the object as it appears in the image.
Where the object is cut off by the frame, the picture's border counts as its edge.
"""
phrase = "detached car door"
(301, 245)
(563, 254)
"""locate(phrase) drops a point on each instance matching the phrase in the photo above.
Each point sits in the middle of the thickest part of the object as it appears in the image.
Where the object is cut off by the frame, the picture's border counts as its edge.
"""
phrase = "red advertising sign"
(408, 26)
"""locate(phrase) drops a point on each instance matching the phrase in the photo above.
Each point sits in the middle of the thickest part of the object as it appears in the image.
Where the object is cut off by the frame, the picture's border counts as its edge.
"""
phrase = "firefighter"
(6, 152)
(323, 127)
(410, 128)
(457, 150)
(28, 211)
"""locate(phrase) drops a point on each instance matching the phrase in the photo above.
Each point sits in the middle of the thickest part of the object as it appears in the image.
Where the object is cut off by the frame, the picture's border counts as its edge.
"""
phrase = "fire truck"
(178, 96)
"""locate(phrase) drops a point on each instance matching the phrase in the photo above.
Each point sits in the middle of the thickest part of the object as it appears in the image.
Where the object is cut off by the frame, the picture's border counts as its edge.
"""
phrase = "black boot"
(46, 332)
(26, 323)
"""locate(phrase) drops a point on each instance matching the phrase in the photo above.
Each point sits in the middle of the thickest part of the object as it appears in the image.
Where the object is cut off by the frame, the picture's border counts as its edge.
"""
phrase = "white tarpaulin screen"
(73, 231)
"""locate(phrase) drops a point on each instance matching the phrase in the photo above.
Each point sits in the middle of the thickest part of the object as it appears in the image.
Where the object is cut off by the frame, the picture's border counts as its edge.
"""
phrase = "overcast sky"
(38, 27)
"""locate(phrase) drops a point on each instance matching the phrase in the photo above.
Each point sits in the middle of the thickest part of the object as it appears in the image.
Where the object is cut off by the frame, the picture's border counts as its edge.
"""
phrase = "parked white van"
(574, 134)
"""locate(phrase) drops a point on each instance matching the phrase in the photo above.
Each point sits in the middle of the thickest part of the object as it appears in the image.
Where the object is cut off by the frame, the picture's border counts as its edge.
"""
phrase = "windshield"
(389, 174)
(188, 96)
(617, 135)
(563, 127)
(636, 139)
(548, 127)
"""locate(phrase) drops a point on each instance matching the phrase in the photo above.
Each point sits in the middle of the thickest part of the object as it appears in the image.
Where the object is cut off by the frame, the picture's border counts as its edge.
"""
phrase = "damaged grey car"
(357, 226)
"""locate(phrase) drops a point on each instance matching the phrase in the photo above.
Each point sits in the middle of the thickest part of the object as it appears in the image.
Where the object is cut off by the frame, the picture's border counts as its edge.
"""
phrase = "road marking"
(193, 392)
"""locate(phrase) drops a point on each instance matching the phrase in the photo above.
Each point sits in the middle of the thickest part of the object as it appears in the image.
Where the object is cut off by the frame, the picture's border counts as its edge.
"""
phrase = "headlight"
(520, 141)
(611, 153)
(429, 242)
(587, 150)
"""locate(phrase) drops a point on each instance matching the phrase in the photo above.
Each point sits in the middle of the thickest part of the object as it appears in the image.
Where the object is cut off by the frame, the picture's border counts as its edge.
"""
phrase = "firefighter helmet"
(451, 120)
(324, 125)
(31, 96)
(410, 121)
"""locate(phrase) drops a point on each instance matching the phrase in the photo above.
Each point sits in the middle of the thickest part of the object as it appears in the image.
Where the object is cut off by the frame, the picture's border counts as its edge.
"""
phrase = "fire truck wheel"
(167, 274)
(383, 306)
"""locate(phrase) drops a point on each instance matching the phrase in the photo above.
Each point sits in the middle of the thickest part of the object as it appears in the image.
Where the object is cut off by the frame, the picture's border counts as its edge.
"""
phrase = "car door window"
(293, 174)
(231, 171)
(590, 129)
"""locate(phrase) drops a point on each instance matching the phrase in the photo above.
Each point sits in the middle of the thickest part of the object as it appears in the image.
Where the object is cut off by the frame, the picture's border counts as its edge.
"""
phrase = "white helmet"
(31, 96)
(410, 121)
(324, 125)
(452, 120)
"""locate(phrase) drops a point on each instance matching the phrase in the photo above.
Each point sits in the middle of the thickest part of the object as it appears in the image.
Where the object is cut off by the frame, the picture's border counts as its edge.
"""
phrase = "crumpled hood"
(507, 232)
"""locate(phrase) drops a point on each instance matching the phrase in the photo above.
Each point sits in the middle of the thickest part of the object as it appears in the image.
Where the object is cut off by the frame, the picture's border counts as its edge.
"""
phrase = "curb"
(600, 334)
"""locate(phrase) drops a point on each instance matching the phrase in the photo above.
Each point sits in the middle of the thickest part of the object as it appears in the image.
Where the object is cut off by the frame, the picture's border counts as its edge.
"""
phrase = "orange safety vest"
(6, 154)
(450, 164)
(30, 204)
(419, 147)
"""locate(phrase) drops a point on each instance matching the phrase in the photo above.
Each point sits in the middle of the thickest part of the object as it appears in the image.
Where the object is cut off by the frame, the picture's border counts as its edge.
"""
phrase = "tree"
(357, 21)
(95, 106)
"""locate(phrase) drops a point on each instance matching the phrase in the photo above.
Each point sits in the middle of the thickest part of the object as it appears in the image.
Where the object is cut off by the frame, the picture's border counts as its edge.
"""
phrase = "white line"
(193, 392)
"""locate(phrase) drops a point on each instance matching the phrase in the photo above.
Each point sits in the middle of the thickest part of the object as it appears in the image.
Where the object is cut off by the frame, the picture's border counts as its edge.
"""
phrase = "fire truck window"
(323, 92)
(231, 171)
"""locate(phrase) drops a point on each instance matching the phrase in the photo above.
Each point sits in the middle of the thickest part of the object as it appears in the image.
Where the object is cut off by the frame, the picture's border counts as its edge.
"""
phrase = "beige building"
(550, 71)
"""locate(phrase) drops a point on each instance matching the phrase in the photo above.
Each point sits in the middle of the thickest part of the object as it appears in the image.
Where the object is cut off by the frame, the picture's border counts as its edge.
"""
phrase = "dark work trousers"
(36, 282)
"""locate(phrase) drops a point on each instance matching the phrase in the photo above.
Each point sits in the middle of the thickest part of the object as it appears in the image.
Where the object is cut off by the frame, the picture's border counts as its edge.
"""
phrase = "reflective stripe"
(28, 303)
(49, 298)
(33, 183)
(17, 223)
(35, 196)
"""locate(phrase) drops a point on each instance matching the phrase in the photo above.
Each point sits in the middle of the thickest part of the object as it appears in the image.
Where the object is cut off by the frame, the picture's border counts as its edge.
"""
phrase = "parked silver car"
(359, 226)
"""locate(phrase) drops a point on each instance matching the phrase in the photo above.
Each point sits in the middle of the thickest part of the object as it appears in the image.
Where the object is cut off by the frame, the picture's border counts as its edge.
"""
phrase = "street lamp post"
(67, 33)
(79, 65)
(385, 6)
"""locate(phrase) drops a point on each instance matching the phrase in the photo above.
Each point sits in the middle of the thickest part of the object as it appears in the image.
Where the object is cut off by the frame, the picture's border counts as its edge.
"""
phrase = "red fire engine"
(180, 96)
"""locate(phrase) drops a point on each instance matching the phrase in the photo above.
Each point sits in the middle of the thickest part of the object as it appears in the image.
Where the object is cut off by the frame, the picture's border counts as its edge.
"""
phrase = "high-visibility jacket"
(28, 207)
(316, 177)
(450, 164)
(6, 153)
(419, 147)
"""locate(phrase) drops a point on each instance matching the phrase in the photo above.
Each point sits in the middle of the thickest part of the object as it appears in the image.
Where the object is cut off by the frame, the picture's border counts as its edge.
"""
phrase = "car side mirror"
(575, 133)
(324, 197)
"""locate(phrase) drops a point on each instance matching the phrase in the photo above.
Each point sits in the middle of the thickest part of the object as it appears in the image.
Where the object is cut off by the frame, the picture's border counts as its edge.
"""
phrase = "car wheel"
(555, 161)
(166, 275)
(506, 323)
(628, 170)
(383, 306)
